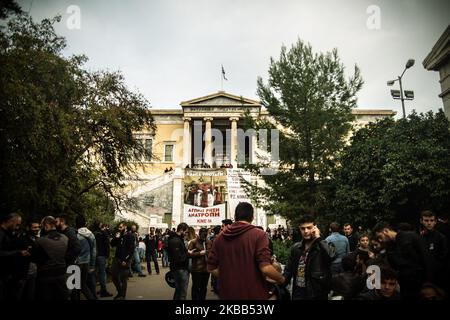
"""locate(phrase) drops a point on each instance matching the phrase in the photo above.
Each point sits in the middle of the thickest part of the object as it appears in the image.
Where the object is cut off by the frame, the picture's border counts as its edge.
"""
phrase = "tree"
(309, 99)
(394, 169)
(8, 7)
(66, 140)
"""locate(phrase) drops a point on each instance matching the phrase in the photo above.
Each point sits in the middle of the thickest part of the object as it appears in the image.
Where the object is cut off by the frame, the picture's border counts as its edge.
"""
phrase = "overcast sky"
(172, 50)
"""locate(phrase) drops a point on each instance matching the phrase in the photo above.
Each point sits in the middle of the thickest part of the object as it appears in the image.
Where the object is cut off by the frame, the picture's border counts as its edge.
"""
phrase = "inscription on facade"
(219, 109)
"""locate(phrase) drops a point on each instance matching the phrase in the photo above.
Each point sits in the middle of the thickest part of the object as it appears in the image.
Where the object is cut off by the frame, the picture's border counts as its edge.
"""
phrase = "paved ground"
(153, 287)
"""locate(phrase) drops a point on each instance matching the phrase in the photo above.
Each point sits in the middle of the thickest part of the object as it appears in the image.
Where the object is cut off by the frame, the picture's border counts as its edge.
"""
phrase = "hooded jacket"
(239, 252)
(88, 251)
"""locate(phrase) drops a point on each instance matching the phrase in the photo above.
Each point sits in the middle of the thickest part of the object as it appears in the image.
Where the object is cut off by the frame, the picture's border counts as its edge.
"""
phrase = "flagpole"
(221, 79)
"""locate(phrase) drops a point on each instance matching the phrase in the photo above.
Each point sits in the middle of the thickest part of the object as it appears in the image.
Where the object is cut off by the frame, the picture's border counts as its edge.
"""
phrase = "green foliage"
(307, 95)
(8, 7)
(282, 250)
(66, 133)
(394, 169)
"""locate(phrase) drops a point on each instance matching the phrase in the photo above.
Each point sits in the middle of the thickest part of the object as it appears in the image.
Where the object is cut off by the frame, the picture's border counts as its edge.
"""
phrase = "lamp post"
(399, 95)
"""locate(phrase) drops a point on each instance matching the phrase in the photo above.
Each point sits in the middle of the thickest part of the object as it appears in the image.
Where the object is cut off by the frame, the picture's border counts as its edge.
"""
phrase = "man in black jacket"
(103, 249)
(74, 246)
(151, 253)
(178, 259)
(351, 236)
(124, 243)
(10, 254)
(49, 254)
(436, 246)
(406, 254)
(309, 263)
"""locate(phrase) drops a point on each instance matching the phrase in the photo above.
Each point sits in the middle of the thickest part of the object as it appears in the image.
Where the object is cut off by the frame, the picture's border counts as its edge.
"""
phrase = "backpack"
(165, 242)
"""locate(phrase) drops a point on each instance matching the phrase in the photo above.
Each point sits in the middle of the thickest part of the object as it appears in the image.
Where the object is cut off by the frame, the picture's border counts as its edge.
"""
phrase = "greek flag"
(223, 73)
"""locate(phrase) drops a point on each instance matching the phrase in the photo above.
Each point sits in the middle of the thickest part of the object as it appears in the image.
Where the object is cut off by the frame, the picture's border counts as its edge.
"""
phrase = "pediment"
(220, 99)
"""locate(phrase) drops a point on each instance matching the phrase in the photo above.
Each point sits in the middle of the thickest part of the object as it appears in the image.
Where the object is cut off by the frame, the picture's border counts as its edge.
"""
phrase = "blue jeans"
(141, 253)
(137, 262)
(181, 278)
(100, 264)
(165, 258)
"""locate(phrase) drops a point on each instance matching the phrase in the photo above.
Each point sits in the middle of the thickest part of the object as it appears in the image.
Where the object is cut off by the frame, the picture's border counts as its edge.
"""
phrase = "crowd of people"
(386, 263)
(34, 263)
(237, 258)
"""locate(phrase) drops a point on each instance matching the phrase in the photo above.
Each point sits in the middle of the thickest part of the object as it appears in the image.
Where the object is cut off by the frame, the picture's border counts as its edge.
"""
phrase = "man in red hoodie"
(240, 258)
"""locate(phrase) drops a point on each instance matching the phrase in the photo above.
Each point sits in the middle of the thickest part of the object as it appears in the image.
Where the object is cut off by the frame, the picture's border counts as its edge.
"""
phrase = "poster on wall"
(205, 194)
(208, 216)
(236, 192)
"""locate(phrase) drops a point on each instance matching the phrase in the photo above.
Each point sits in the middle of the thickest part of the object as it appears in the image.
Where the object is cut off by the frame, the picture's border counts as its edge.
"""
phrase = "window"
(148, 144)
(270, 219)
(145, 150)
(168, 153)
(167, 218)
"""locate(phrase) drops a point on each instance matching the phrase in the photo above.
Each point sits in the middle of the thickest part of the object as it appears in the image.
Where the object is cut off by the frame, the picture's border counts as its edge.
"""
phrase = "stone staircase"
(151, 183)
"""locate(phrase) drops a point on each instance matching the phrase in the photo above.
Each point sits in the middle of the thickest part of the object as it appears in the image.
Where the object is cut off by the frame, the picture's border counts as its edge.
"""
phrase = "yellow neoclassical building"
(191, 163)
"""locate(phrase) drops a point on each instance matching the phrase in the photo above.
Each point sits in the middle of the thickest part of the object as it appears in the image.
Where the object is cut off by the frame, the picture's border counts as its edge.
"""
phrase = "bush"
(282, 250)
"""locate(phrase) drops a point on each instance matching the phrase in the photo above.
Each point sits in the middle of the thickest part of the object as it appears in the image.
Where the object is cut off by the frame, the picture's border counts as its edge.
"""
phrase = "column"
(234, 141)
(253, 146)
(208, 141)
(177, 200)
(186, 142)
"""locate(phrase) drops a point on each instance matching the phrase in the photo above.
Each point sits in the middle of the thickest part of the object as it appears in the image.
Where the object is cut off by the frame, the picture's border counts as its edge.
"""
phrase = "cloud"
(172, 50)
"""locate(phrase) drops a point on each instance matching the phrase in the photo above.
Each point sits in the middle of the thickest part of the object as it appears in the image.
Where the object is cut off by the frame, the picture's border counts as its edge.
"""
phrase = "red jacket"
(239, 251)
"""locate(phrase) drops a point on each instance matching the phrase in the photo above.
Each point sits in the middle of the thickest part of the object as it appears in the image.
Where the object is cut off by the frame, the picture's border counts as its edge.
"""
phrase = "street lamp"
(398, 94)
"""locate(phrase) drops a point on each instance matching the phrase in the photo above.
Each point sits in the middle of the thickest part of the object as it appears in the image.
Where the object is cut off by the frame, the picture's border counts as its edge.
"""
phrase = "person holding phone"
(309, 263)
(124, 243)
(198, 250)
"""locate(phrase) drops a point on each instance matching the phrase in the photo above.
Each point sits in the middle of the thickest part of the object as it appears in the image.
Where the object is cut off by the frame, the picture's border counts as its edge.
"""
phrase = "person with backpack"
(165, 253)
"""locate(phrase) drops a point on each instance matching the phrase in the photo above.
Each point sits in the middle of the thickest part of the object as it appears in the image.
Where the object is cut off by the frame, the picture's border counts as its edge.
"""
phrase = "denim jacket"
(341, 244)
(88, 247)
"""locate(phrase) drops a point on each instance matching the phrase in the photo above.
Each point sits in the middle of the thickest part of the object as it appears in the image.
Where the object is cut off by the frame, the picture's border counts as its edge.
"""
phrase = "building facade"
(439, 60)
(190, 170)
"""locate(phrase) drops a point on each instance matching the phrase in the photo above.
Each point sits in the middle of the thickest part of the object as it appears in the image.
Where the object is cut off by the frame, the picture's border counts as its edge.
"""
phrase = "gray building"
(439, 60)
